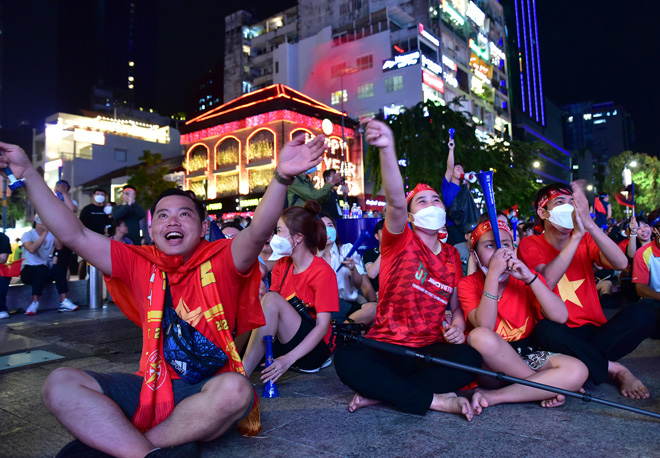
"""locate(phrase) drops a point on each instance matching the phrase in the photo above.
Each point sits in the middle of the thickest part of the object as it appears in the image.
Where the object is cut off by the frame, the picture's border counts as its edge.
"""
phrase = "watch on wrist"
(281, 179)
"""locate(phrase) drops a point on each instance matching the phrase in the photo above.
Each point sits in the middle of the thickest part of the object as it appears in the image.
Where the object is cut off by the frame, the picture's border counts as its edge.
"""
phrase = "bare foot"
(479, 401)
(629, 385)
(360, 401)
(451, 403)
(557, 401)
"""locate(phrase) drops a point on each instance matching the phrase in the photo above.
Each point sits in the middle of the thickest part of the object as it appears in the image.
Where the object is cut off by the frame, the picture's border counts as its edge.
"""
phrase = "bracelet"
(490, 296)
(285, 181)
(532, 280)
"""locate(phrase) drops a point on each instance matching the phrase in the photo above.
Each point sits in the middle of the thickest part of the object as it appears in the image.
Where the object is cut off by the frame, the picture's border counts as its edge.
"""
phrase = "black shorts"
(312, 360)
(124, 389)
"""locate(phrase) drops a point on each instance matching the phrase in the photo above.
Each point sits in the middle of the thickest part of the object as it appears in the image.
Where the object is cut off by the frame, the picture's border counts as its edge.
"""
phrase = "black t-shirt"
(5, 245)
(93, 217)
(370, 257)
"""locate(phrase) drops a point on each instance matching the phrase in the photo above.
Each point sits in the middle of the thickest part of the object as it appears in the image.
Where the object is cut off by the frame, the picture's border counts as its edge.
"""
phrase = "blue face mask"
(312, 170)
(332, 234)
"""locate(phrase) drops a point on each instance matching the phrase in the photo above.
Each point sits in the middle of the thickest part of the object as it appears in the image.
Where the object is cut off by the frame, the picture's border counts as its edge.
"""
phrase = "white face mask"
(432, 218)
(99, 199)
(281, 247)
(562, 216)
(107, 210)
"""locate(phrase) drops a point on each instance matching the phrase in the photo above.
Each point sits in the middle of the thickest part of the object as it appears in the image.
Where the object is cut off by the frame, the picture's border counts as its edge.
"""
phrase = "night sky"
(598, 50)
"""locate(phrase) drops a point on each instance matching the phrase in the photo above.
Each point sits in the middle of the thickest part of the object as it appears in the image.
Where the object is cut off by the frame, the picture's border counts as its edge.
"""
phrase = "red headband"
(419, 188)
(553, 193)
(486, 227)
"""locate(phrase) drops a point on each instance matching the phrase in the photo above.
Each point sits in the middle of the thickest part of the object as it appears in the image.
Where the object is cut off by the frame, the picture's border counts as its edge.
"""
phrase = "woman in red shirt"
(302, 279)
(502, 301)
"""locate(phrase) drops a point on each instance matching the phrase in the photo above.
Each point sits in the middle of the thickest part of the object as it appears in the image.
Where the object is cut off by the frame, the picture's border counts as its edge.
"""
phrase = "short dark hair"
(128, 186)
(458, 163)
(99, 190)
(328, 172)
(379, 226)
(545, 190)
(64, 182)
(199, 206)
(233, 224)
(653, 215)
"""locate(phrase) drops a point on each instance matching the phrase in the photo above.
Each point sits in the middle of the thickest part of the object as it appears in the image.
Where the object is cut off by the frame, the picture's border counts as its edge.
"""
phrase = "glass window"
(365, 90)
(121, 155)
(335, 97)
(394, 83)
(365, 62)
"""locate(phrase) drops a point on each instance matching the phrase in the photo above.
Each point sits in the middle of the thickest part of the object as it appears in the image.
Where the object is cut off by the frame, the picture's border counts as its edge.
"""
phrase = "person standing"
(131, 212)
(5, 252)
(331, 206)
(302, 189)
(93, 215)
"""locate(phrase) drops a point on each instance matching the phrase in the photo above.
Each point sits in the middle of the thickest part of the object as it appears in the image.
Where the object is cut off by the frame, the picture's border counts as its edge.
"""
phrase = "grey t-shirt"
(40, 257)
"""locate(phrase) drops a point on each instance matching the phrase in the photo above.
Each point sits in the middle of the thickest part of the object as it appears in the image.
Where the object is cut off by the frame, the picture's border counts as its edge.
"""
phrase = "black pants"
(4, 289)
(405, 382)
(39, 276)
(595, 346)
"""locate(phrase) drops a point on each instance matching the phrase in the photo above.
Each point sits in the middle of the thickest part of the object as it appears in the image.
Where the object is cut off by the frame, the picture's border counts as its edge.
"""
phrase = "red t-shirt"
(577, 287)
(623, 244)
(518, 310)
(136, 271)
(415, 288)
(316, 286)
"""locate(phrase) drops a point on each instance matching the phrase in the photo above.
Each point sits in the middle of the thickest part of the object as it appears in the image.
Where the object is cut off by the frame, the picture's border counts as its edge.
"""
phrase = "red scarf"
(156, 397)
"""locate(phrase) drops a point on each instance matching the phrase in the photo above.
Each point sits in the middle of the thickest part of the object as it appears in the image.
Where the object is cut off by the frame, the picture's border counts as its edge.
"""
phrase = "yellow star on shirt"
(567, 290)
(508, 332)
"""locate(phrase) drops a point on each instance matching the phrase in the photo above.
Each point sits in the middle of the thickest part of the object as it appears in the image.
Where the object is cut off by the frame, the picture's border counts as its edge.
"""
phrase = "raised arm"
(60, 220)
(380, 135)
(295, 158)
(610, 254)
(450, 162)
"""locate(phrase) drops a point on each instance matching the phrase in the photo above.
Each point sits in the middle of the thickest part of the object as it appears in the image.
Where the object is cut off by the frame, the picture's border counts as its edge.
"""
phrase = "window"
(394, 83)
(121, 155)
(336, 97)
(277, 67)
(365, 62)
(365, 90)
(337, 70)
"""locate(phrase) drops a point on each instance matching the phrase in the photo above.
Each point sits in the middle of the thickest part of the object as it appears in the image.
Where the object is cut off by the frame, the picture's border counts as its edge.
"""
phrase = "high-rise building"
(535, 118)
(594, 133)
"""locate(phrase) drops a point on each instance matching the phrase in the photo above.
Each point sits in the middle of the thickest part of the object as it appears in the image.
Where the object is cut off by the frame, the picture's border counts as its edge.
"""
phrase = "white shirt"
(347, 291)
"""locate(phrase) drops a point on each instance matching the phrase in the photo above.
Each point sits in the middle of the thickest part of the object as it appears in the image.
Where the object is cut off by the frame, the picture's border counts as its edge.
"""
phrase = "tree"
(421, 135)
(149, 178)
(645, 175)
(16, 206)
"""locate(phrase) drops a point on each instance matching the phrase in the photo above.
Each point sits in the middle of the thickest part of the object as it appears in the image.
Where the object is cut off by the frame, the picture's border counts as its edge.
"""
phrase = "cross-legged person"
(418, 279)
(183, 284)
(564, 254)
(503, 300)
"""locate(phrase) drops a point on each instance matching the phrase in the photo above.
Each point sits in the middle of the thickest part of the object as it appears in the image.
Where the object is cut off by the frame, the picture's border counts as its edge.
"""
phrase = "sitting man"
(156, 413)
(646, 269)
(564, 255)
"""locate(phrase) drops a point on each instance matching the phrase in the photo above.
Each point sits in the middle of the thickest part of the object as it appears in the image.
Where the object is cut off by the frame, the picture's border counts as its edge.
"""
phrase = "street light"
(536, 164)
(633, 164)
(590, 187)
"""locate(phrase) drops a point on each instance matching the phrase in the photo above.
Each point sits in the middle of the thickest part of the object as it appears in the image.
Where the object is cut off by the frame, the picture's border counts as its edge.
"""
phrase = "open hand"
(297, 156)
(15, 158)
(276, 369)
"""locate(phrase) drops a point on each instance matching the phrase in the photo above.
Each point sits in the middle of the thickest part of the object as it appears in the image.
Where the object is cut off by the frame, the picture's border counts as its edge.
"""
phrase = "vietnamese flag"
(11, 269)
(627, 200)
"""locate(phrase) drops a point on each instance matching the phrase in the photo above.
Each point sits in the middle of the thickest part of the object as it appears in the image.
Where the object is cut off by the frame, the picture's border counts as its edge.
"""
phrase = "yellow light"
(537, 164)
(633, 164)
(131, 63)
(590, 188)
(131, 78)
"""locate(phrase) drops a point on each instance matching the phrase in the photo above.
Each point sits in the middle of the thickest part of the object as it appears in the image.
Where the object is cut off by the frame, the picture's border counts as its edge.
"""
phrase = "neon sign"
(433, 66)
(453, 14)
(404, 60)
(447, 62)
(450, 79)
(474, 13)
(496, 54)
(433, 81)
(428, 36)
(483, 53)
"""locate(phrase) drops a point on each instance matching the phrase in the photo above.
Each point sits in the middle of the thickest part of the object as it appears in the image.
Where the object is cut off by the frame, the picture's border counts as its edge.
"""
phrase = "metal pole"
(95, 283)
(4, 205)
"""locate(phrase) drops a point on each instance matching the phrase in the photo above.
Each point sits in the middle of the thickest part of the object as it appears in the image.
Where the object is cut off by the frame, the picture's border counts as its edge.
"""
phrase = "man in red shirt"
(214, 289)
(565, 254)
(418, 280)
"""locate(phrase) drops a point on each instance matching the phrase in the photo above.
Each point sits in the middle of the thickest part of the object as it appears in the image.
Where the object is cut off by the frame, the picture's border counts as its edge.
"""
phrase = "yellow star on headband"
(567, 290)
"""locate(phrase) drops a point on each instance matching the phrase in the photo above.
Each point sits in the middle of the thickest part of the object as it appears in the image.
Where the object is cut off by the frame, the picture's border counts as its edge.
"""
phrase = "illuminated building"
(82, 148)
(535, 118)
(595, 132)
(231, 151)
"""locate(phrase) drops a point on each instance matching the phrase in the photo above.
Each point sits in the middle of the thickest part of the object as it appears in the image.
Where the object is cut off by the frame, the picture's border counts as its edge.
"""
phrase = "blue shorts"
(124, 389)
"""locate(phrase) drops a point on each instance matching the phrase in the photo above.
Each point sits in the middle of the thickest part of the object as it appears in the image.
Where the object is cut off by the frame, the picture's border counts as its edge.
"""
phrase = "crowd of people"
(527, 301)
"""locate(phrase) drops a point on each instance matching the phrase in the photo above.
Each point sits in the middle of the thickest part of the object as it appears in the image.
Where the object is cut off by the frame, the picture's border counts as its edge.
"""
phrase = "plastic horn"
(486, 182)
(361, 238)
(451, 136)
(632, 188)
(405, 351)
(14, 183)
(270, 389)
(514, 223)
